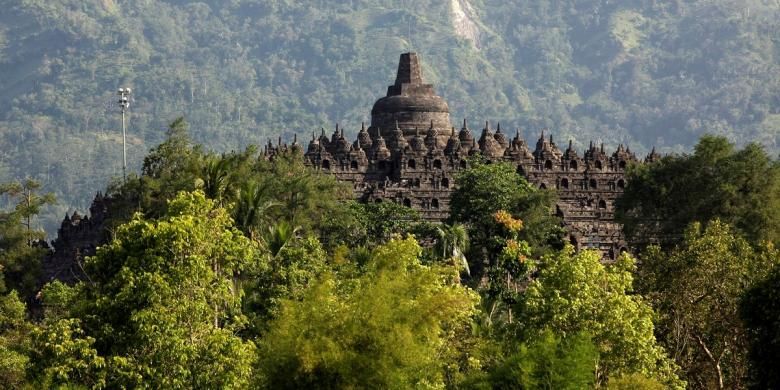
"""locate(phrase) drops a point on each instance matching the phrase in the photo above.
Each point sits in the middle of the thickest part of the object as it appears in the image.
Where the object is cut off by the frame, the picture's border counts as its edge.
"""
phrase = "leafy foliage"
(20, 242)
(161, 306)
(697, 289)
(286, 276)
(241, 272)
(760, 310)
(548, 363)
(739, 187)
(63, 355)
(14, 341)
(485, 189)
(576, 293)
(385, 328)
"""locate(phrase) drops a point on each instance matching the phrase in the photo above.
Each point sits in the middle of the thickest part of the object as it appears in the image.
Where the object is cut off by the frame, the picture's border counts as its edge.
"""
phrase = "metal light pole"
(124, 104)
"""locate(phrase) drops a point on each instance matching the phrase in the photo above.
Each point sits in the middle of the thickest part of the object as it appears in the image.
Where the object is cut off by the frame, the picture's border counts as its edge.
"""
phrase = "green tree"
(484, 189)
(252, 208)
(20, 252)
(14, 341)
(760, 311)
(696, 289)
(634, 382)
(162, 306)
(548, 362)
(739, 187)
(287, 275)
(387, 327)
(452, 243)
(577, 293)
(307, 198)
(63, 355)
(509, 271)
(369, 224)
(172, 166)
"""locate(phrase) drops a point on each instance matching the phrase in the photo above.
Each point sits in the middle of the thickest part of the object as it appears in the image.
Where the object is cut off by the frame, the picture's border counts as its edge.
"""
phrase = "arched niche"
(565, 183)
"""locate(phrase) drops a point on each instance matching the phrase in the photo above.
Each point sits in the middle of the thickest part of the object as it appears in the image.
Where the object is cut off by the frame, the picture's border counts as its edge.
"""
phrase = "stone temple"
(411, 154)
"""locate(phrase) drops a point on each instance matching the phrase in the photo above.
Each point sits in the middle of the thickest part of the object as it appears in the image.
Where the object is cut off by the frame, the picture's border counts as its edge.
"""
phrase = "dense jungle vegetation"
(231, 271)
(638, 72)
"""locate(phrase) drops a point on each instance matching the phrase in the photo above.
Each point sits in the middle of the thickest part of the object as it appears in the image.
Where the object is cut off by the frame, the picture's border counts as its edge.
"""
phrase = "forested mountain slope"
(642, 72)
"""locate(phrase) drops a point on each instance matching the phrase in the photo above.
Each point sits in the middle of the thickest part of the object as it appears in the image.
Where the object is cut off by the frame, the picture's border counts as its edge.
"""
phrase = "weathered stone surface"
(410, 104)
(78, 237)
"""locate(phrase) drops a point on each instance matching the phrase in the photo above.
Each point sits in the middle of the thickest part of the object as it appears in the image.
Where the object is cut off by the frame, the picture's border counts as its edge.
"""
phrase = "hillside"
(638, 72)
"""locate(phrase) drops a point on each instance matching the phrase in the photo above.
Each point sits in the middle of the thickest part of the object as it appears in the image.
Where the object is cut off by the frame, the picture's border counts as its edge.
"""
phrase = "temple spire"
(409, 71)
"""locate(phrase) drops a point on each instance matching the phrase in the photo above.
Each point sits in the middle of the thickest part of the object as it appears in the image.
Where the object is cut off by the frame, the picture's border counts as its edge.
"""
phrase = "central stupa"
(410, 103)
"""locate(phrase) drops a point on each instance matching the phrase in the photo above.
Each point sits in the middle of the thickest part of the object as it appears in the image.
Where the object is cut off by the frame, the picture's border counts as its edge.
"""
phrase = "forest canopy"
(233, 270)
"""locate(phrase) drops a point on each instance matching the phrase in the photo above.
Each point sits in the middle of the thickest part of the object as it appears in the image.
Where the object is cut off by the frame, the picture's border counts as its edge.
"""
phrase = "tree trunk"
(715, 362)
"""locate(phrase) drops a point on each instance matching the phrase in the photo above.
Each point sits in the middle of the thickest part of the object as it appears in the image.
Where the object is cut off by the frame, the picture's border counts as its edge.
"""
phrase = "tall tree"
(14, 341)
(162, 305)
(548, 362)
(172, 166)
(292, 268)
(509, 272)
(388, 327)
(20, 249)
(760, 310)
(740, 187)
(577, 293)
(484, 189)
(696, 289)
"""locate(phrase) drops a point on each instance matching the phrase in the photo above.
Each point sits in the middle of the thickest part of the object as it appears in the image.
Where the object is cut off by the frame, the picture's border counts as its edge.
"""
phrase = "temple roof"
(410, 102)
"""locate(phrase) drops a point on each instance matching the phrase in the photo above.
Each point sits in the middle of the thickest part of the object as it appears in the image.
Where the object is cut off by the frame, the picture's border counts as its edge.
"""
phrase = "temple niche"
(411, 153)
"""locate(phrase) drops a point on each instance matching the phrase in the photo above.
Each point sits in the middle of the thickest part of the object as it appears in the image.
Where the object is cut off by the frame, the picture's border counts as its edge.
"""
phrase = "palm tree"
(279, 235)
(216, 178)
(252, 208)
(451, 243)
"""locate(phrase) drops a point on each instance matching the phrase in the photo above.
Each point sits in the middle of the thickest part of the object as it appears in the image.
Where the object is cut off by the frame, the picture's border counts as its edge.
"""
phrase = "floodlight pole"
(124, 104)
